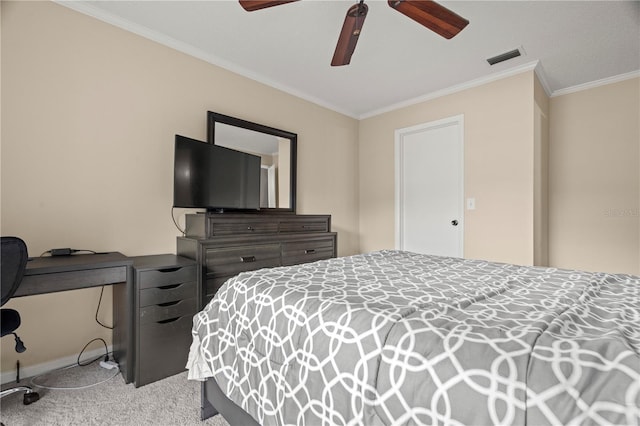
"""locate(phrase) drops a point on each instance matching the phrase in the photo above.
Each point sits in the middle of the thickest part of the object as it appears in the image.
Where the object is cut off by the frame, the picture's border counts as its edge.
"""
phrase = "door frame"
(457, 120)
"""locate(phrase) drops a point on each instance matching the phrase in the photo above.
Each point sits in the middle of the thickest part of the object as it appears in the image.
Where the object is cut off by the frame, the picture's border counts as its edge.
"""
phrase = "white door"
(430, 188)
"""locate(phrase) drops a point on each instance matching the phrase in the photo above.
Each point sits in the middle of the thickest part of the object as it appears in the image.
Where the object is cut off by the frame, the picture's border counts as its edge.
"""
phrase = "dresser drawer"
(212, 286)
(233, 260)
(165, 277)
(168, 311)
(168, 293)
(304, 226)
(307, 251)
(163, 348)
(218, 229)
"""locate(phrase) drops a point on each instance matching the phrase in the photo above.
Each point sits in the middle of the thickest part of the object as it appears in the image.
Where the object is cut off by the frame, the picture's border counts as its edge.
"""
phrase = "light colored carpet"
(172, 401)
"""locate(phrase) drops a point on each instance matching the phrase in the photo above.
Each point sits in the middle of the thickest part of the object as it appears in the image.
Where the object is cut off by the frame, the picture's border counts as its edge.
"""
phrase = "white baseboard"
(35, 370)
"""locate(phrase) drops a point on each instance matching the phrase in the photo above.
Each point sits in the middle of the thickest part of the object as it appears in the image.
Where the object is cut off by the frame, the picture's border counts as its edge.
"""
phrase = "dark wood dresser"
(223, 245)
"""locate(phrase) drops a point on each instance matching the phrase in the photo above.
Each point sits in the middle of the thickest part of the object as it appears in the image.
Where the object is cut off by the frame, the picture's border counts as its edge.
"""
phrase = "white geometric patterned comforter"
(394, 337)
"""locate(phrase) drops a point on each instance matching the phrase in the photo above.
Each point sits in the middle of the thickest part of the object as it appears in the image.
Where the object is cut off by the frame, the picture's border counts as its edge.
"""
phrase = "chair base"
(29, 395)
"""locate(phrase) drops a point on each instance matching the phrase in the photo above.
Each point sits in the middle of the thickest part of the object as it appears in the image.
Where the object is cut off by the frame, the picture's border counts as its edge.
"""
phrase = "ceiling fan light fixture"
(437, 18)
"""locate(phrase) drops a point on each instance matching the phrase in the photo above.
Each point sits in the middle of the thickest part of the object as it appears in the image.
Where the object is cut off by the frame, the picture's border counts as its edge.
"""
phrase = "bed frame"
(214, 401)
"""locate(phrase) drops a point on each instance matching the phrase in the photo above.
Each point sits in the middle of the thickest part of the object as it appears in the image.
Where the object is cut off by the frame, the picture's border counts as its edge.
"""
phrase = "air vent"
(504, 56)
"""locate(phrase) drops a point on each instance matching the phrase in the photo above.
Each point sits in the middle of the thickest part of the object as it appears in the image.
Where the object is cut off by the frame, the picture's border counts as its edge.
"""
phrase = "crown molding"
(454, 89)
(596, 83)
(542, 78)
(86, 8)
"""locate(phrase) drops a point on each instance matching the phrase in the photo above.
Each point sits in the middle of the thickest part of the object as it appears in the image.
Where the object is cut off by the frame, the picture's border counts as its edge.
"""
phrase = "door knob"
(454, 222)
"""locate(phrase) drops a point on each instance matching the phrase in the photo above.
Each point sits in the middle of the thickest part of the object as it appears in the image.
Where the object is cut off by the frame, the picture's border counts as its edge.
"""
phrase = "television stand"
(223, 245)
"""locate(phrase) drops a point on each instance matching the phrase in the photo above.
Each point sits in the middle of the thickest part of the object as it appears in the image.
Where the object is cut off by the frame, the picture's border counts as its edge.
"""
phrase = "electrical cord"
(33, 380)
(98, 310)
(176, 223)
(104, 357)
(106, 353)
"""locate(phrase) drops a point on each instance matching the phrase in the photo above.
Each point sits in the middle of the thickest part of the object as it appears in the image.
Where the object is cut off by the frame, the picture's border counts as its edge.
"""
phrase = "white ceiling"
(397, 61)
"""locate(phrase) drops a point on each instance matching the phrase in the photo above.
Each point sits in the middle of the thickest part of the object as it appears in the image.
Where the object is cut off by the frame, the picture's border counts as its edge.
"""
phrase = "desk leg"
(123, 332)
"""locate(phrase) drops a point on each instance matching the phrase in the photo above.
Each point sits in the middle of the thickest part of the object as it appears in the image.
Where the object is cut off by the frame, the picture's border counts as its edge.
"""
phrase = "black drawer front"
(164, 277)
(232, 261)
(167, 311)
(242, 228)
(307, 251)
(164, 349)
(304, 226)
(168, 293)
(213, 285)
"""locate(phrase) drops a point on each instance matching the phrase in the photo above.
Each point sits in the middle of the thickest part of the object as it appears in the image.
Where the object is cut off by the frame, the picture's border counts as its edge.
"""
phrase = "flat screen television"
(214, 177)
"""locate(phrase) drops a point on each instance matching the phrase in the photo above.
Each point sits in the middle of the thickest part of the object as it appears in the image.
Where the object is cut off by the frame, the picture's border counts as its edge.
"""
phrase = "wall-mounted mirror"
(276, 148)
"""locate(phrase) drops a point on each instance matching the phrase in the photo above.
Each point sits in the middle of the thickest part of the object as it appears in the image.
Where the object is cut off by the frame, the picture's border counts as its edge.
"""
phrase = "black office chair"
(14, 261)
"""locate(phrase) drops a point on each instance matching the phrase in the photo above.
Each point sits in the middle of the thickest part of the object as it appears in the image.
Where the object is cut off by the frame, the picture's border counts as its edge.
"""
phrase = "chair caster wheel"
(30, 398)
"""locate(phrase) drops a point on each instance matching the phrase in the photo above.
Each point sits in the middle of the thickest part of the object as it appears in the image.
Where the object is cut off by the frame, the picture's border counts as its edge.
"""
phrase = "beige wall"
(594, 216)
(556, 181)
(89, 113)
(498, 168)
(541, 176)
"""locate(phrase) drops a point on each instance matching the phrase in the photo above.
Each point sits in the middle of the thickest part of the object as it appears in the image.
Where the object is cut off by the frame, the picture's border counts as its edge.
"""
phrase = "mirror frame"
(215, 117)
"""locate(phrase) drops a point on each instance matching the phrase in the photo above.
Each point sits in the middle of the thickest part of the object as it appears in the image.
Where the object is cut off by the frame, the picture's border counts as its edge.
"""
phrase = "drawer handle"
(168, 303)
(309, 251)
(167, 321)
(167, 270)
(247, 259)
(250, 228)
(169, 287)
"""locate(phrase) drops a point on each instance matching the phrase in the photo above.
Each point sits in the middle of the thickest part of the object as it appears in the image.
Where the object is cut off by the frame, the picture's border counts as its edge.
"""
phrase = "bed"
(395, 337)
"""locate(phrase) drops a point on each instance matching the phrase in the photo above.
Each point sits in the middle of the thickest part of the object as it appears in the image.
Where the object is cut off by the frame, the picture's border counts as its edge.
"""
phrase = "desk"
(61, 273)
(45, 275)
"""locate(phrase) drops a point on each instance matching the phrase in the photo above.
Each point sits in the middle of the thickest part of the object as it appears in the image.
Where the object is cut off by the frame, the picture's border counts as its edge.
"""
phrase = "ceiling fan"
(426, 12)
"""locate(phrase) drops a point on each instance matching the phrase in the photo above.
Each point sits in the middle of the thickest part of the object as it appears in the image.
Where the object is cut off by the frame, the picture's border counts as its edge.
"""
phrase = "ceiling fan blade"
(432, 15)
(351, 28)
(251, 5)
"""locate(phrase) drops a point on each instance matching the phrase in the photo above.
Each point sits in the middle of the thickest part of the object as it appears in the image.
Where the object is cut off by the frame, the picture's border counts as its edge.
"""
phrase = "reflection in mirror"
(275, 147)
(275, 154)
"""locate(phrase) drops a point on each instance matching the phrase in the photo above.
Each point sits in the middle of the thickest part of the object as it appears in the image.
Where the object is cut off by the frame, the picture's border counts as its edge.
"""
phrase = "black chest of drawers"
(165, 300)
(224, 245)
